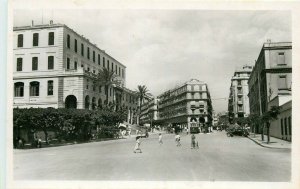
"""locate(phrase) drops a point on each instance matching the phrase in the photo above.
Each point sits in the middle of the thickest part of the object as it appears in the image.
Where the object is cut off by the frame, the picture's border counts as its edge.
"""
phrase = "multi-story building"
(187, 105)
(56, 67)
(238, 104)
(149, 111)
(271, 77)
(215, 119)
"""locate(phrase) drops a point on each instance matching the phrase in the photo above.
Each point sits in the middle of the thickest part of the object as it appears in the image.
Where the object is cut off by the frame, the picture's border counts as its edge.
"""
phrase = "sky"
(165, 48)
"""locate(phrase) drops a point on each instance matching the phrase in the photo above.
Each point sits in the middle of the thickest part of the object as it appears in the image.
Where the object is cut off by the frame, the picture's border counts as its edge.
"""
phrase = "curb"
(262, 145)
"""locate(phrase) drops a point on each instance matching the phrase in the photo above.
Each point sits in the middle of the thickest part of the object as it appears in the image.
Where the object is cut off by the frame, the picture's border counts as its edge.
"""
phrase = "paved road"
(219, 158)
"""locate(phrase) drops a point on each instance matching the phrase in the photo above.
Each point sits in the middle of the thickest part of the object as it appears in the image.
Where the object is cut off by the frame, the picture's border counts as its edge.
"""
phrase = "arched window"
(100, 103)
(93, 103)
(19, 89)
(87, 102)
(34, 88)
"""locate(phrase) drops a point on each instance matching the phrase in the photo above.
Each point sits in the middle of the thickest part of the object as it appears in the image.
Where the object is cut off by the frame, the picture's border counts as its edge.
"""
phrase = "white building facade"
(238, 98)
(56, 67)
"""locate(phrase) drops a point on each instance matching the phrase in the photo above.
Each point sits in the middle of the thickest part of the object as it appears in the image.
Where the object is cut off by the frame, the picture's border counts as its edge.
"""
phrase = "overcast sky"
(163, 48)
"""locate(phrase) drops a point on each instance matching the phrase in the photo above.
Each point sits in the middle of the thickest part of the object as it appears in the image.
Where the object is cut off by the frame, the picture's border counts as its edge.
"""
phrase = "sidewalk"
(274, 142)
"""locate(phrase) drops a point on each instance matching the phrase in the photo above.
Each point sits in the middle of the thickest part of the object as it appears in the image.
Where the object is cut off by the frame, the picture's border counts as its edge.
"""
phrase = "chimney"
(32, 23)
(51, 22)
(268, 40)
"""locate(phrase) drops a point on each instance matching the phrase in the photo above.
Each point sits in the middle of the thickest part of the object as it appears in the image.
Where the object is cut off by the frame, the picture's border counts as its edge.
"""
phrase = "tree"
(269, 116)
(142, 91)
(107, 78)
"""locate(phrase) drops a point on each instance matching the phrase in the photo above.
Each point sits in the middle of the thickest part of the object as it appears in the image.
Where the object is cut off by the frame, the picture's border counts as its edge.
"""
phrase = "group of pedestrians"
(194, 142)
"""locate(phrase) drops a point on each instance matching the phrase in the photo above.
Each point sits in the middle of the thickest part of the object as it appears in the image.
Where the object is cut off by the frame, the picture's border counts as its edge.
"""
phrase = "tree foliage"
(68, 124)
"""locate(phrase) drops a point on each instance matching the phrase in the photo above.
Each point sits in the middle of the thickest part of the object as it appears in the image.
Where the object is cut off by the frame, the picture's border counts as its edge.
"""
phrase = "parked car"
(143, 134)
(239, 131)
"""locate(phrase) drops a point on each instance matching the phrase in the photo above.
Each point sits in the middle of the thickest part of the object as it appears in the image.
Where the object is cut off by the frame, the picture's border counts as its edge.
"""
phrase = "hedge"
(67, 124)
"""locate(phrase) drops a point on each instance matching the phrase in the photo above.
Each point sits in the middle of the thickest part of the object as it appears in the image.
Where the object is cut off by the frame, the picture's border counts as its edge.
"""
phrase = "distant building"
(215, 119)
(238, 104)
(149, 111)
(186, 105)
(271, 77)
(56, 67)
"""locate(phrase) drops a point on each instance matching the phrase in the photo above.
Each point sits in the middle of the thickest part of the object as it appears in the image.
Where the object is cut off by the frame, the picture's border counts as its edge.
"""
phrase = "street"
(219, 158)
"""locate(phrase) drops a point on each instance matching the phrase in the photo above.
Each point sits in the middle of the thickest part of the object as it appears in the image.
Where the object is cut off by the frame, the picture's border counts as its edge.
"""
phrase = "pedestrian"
(160, 139)
(137, 145)
(177, 139)
(193, 142)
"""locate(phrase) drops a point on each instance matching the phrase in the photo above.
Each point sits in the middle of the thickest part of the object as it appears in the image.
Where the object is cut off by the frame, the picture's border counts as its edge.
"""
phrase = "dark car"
(237, 131)
(144, 134)
(194, 130)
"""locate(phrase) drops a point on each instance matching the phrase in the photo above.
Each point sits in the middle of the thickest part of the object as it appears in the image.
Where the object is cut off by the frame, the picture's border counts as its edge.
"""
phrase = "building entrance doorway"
(71, 102)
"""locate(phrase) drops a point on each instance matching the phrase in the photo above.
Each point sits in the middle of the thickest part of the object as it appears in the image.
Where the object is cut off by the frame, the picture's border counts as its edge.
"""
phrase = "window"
(112, 66)
(285, 126)
(19, 89)
(104, 62)
(51, 38)
(20, 40)
(35, 41)
(281, 124)
(108, 64)
(75, 65)
(34, 88)
(119, 71)
(239, 82)
(99, 59)
(282, 84)
(88, 52)
(100, 87)
(281, 58)
(50, 87)
(82, 49)
(19, 64)
(123, 73)
(116, 69)
(240, 108)
(50, 62)
(34, 63)
(94, 56)
(68, 63)
(68, 41)
(290, 125)
(75, 45)
(109, 91)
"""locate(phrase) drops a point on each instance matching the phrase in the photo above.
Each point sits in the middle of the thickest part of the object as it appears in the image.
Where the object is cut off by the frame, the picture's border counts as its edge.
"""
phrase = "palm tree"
(142, 92)
(107, 78)
(270, 116)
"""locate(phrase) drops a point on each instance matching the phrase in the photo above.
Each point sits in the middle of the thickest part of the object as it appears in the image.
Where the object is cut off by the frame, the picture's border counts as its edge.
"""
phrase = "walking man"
(137, 145)
(177, 139)
(160, 139)
(193, 141)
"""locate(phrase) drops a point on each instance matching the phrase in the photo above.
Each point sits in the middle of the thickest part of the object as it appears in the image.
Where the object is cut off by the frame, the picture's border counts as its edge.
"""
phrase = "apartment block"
(238, 104)
(186, 105)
